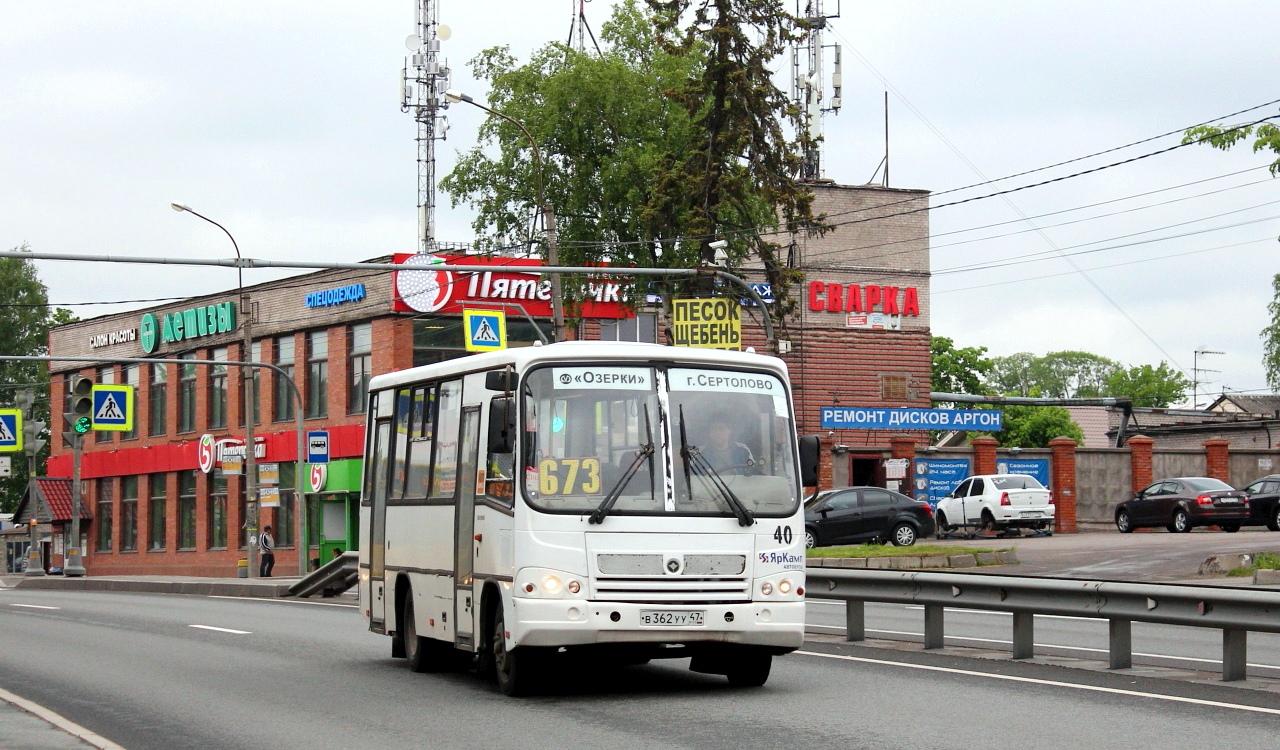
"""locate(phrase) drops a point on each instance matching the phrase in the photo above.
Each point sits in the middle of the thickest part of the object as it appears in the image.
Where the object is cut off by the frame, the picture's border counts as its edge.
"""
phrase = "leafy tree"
(1035, 426)
(959, 370)
(739, 170)
(1266, 138)
(25, 319)
(1012, 375)
(667, 140)
(1072, 374)
(1156, 387)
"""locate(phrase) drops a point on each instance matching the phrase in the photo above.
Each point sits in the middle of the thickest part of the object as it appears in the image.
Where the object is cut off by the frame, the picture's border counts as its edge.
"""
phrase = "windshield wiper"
(694, 458)
(645, 452)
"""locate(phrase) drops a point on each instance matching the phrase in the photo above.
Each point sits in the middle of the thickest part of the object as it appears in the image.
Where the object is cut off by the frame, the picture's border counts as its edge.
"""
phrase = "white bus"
(572, 497)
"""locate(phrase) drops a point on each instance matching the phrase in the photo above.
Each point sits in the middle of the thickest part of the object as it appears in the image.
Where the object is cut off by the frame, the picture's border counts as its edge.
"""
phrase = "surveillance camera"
(719, 244)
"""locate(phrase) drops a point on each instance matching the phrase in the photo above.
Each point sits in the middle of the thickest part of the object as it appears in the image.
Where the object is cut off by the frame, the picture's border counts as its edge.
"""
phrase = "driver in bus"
(723, 453)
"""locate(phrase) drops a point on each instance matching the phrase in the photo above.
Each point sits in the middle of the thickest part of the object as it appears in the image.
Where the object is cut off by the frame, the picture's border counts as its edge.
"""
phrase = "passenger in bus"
(724, 453)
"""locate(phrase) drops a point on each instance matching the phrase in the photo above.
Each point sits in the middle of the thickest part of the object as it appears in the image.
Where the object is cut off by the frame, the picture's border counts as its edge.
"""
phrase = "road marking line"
(32, 606)
(221, 630)
(283, 601)
(1052, 683)
(59, 721)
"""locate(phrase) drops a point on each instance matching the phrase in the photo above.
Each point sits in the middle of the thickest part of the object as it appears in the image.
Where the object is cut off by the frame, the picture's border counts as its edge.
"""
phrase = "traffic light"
(31, 440)
(79, 414)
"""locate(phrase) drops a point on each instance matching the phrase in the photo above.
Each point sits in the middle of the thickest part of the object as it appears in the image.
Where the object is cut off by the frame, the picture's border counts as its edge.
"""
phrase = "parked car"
(1182, 503)
(997, 502)
(1264, 502)
(861, 514)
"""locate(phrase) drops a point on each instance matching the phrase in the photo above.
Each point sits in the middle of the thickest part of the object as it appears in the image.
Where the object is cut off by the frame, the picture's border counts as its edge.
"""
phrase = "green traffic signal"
(82, 425)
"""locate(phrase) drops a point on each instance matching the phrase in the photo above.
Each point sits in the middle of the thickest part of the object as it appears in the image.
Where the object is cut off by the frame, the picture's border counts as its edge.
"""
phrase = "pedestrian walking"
(267, 546)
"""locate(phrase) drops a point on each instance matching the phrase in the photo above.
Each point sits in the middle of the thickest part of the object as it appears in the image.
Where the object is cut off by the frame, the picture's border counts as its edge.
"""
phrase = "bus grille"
(673, 589)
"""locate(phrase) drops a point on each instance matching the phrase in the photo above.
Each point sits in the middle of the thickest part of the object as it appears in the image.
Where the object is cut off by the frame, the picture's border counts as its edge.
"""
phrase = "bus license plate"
(670, 618)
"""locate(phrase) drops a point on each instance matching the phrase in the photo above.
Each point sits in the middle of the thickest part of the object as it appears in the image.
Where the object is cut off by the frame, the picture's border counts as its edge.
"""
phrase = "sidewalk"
(27, 726)
(254, 587)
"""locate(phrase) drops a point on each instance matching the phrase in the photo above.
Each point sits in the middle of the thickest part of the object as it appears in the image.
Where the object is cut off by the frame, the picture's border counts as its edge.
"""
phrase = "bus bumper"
(543, 622)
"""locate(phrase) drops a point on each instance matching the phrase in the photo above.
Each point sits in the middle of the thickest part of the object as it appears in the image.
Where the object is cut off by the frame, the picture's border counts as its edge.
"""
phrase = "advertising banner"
(875, 418)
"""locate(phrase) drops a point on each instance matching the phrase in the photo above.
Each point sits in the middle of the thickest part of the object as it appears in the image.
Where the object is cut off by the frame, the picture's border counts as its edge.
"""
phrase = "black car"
(861, 514)
(1264, 502)
(1184, 502)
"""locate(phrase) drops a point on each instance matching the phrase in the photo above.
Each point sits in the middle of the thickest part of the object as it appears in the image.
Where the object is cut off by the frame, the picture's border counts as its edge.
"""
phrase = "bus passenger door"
(377, 486)
(465, 524)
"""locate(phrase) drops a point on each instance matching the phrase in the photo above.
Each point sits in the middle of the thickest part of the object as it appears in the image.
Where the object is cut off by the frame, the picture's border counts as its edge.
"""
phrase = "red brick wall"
(1216, 459)
(1063, 484)
(1140, 460)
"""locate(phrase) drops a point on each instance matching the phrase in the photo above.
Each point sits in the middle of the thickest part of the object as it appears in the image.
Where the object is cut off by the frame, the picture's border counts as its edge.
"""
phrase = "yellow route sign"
(707, 323)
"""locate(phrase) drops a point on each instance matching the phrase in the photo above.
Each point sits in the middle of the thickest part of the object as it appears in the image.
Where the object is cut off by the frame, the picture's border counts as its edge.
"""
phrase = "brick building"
(860, 336)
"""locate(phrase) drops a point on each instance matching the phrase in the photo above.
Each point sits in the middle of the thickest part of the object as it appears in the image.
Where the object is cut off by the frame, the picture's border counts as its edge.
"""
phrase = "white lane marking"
(32, 606)
(221, 630)
(1044, 645)
(1051, 683)
(95, 740)
(282, 601)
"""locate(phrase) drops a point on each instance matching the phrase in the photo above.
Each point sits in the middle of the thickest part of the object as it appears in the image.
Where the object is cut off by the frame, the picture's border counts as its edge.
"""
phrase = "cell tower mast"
(422, 84)
(807, 91)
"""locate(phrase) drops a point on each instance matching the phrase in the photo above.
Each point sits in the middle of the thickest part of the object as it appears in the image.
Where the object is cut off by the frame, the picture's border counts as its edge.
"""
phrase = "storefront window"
(103, 519)
(129, 514)
(217, 511)
(156, 511)
(187, 509)
(285, 522)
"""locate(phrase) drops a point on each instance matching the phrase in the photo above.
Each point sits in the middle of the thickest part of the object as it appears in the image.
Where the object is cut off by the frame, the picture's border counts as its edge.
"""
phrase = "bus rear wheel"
(516, 669)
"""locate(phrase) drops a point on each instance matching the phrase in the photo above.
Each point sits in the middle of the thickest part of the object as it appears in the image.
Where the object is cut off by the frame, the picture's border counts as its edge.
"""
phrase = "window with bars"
(317, 400)
(157, 507)
(129, 513)
(187, 509)
(103, 519)
(218, 389)
(187, 394)
(360, 351)
(283, 409)
(157, 400)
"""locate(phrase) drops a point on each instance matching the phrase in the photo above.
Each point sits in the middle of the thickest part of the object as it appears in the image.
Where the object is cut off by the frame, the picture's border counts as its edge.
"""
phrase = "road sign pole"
(35, 562)
(72, 564)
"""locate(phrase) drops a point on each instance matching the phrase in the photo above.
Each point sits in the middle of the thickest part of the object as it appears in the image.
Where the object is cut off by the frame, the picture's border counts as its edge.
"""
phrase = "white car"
(997, 502)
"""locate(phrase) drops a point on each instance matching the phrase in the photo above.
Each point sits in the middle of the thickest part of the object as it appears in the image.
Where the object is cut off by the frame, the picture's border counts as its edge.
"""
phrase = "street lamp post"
(246, 378)
(548, 212)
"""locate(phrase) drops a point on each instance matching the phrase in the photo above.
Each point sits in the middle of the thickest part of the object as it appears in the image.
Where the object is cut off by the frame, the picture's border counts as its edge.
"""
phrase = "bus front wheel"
(750, 670)
(516, 669)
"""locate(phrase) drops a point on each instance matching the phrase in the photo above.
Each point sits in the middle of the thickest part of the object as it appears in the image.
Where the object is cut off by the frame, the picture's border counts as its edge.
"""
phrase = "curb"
(198, 588)
(982, 559)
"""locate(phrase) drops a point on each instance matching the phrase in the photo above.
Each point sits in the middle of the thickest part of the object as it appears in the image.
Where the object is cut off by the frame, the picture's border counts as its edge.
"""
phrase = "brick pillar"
(904, 446)
(1216, 455)
(1063, 484)
(984, 454)
(1140, 461)
(825, 459)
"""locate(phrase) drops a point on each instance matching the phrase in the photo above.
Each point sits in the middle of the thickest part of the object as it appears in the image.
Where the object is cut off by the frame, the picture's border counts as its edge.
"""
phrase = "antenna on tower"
(579, 24)
(807, 82)
(423, 81)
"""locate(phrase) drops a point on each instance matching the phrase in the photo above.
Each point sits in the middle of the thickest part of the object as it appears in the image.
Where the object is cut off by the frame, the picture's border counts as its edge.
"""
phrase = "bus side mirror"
(810, 449)
(500, 380)
(502, 424)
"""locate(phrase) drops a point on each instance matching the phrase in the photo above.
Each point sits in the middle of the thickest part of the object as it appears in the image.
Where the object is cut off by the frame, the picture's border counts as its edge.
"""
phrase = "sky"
(281, 121)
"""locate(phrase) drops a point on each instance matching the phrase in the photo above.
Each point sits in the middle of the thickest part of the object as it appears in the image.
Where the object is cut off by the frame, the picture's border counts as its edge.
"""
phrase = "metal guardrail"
(332, 578)
(1233, 611)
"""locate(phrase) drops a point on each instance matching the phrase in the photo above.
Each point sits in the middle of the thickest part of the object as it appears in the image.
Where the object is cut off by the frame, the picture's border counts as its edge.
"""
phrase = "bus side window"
(500, 467)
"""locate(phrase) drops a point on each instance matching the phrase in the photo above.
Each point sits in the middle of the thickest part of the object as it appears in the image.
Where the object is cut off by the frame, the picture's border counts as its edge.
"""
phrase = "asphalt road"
(173, 672)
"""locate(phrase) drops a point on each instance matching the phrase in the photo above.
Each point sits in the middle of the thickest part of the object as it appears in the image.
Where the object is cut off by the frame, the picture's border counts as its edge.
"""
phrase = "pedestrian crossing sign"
(486, 330)
(10, 430)
(113, 407)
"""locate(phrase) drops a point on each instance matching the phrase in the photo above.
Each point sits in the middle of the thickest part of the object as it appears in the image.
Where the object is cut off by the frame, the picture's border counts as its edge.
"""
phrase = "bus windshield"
(644, 440)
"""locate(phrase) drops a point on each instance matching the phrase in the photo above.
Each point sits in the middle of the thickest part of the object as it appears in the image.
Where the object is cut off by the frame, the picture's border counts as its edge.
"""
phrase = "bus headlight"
(551, 585)
(542, 583)
(784, 587)
(766, 588)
